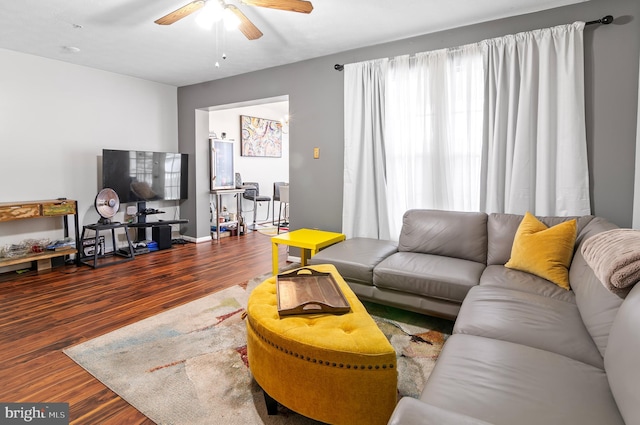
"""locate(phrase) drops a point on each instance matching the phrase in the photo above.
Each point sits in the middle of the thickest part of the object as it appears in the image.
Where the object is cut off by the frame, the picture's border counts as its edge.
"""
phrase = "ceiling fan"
(246, 26)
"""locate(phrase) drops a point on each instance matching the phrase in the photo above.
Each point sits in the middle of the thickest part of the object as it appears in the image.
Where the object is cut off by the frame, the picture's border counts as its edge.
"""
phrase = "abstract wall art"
(260, 137)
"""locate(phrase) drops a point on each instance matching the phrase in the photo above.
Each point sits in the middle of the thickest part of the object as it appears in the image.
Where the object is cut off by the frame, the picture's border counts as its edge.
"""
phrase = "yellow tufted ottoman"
(338, 369)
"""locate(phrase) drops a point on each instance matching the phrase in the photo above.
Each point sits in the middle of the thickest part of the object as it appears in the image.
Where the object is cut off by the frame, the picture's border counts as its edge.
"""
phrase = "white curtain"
(364, 211)
(433, 131)
(535, 137)
(636, 189)
(496, 126)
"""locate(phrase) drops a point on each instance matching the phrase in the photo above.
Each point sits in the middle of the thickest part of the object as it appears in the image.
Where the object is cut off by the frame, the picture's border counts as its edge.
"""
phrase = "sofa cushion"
(501, 230)
(522, 281)
(428, 275)
(410, 411)
(621, 358)
(527, 319)
(448, 233)
(598, 307)
(355, 258)
(506, 383)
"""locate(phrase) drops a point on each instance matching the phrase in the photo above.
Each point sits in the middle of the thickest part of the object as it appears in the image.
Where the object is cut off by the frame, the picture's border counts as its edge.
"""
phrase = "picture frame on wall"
(260, 137)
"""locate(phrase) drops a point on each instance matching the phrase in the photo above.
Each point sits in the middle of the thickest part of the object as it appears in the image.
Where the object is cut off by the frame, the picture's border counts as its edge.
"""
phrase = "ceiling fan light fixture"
(231, 21)
(212, 11)
(210, 14)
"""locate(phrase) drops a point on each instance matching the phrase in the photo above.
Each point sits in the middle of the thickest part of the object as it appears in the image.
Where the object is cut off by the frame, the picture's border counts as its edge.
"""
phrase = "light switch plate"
(316, 153)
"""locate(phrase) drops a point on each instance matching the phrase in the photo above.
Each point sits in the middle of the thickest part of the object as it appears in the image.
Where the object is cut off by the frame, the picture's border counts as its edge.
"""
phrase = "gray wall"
(315, 92)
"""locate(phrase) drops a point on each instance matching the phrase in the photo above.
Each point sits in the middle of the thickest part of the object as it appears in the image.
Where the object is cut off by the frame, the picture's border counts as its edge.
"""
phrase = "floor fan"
(107, 204)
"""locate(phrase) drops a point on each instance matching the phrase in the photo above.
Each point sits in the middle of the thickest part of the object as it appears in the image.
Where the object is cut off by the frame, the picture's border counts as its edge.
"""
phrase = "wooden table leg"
(272, 404)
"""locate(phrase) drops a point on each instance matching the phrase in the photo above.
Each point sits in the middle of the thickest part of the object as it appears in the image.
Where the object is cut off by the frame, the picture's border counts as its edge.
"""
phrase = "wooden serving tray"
(307, 291)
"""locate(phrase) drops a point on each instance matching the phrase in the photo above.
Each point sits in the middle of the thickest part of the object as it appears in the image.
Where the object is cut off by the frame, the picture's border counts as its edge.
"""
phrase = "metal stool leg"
(279, 216)
(255, 209)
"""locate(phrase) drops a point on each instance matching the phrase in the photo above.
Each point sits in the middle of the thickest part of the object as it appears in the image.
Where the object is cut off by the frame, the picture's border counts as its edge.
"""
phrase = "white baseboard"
(197, 240)
(293, 259)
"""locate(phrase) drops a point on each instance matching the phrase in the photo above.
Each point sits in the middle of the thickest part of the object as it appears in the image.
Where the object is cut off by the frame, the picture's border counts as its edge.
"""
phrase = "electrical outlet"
(316, 153)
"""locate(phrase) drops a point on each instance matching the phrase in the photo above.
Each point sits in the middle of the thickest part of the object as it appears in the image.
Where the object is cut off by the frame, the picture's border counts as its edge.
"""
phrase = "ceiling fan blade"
(301, 6)
(178, 14)
(246, 27)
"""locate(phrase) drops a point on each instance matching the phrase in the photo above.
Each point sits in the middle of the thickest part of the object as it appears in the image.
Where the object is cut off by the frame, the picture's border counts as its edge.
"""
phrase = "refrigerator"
(221, 160)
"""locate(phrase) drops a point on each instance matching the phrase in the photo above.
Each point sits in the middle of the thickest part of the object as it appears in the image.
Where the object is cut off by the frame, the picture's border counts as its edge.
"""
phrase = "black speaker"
(162, 236)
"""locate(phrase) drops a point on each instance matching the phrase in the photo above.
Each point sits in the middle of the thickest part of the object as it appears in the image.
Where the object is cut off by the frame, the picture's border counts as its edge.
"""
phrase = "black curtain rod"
(604, 21)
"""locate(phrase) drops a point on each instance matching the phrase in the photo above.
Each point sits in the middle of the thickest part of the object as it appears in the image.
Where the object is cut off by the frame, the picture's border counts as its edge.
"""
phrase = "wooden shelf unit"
(10, 211)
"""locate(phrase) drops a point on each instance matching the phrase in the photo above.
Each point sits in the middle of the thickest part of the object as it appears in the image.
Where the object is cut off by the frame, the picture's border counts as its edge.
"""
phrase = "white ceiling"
(120, 35)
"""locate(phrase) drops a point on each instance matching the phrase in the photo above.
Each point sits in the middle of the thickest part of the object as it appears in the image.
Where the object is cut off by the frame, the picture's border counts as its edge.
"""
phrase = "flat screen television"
(139, 176)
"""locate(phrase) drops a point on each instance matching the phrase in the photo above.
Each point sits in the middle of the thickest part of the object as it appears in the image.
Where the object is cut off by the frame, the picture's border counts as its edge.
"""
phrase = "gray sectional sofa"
(523, 350)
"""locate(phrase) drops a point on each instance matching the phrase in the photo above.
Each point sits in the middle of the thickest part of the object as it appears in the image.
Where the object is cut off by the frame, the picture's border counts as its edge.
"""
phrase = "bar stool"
(276, 197)
(284, 201)
(252, 193)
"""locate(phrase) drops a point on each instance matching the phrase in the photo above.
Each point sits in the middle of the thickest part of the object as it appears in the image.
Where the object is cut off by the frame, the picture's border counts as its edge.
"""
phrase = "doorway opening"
(224, 123)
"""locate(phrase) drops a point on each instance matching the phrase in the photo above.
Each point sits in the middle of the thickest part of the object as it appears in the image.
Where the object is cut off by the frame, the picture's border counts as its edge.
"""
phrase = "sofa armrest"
(410, 411)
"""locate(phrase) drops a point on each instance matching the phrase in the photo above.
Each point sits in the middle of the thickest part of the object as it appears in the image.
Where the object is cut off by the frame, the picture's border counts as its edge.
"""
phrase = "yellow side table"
(310, 241)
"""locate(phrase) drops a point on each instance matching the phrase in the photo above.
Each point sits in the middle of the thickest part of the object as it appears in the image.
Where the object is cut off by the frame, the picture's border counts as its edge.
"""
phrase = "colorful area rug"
(188, 365)
(271, 230)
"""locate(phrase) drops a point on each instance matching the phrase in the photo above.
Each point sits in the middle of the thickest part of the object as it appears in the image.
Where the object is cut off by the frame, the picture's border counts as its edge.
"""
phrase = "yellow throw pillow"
(544, 251)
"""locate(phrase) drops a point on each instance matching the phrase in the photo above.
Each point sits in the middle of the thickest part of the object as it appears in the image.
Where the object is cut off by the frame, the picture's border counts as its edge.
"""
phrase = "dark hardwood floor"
(43, 313)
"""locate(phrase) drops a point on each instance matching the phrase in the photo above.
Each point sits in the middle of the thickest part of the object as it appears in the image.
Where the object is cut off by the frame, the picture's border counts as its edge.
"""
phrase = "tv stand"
(141, 220)
(142, 223)
(157, 223)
